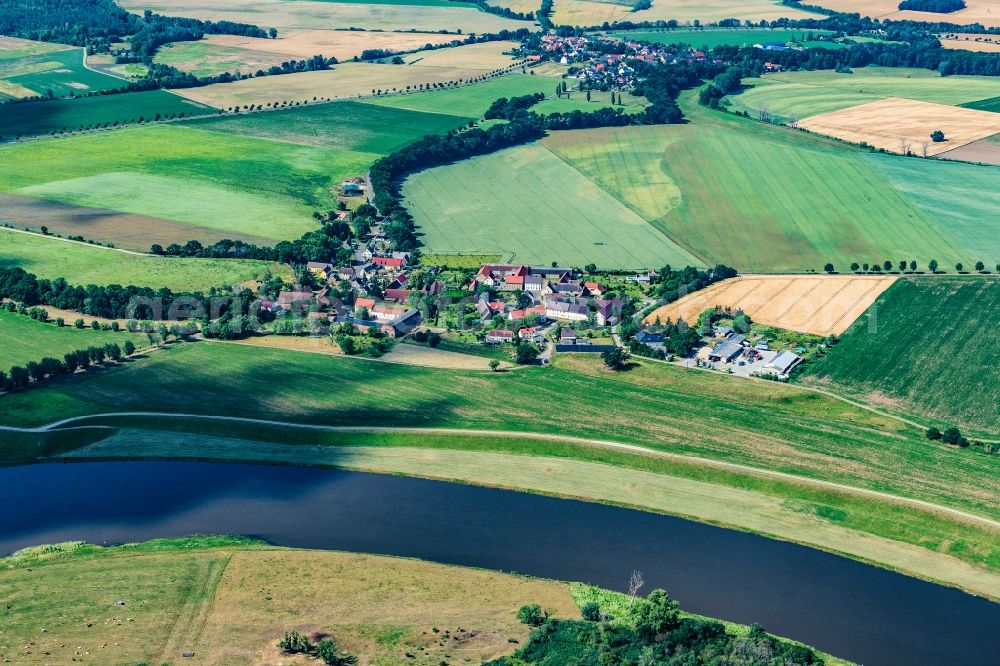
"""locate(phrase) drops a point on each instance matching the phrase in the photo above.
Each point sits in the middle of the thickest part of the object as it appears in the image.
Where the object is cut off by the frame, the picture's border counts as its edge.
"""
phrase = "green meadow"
(340, 125)
(991, 104)
(528, 203)
(86, 264)
(713, 37)
(23, 339)
(60, 73)
(804, 93)
(217, 180)
(469, 101)
(576, 100)
(926, 348)
(70, 115)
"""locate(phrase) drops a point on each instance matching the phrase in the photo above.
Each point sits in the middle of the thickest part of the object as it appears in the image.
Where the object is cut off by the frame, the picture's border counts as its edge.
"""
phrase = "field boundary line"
(609, 444)
(84, 243)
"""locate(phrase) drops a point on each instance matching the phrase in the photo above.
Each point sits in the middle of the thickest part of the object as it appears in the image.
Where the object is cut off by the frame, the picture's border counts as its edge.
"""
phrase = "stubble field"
(984, 12)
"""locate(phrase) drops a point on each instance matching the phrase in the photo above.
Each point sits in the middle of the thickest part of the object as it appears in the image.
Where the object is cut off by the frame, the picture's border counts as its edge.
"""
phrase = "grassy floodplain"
(528, 202)
(23, 339)
(46, 117)
(924, 348)
(713, 37)
(803, 94)
(86, 264)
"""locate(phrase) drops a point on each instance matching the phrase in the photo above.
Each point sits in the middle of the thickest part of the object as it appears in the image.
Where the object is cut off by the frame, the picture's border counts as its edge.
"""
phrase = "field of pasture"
(469, 101)
(23, 339)
(817, 304)
(84, 264)
(216, 54)
(527, 204)
(26, 71)
(69, 115)
(713, 37)
(803, 94)
(924, 348)
(390, 15)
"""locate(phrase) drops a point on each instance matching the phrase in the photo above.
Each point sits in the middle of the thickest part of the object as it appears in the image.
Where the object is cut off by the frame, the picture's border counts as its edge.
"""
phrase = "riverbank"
(219, 598)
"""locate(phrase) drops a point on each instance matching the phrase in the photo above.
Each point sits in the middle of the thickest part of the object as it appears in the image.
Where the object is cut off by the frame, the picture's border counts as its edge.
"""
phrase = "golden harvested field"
(970, 42)
(339, 44)
(592, 12)
(819, 304)
(890, 123)
(304, 14)
(986, 12)
(524, 6)
(356, 79)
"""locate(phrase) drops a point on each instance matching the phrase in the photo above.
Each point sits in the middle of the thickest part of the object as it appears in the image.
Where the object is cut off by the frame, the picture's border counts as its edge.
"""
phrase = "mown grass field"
(527, 202)
(762, 424)
(60, 72)
(70, 115)
(85, 264)
(991, 104)
(577, 101)
(469, 101)
(803, 94)
(219, 597)
(23, 339)
(423, 15)
(222, 181)
(799, 201)
(924, 348)
(347, 126)
(712, 37)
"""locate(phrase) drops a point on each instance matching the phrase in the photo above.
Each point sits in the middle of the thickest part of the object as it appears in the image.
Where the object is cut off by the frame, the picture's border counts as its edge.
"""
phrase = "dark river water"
(859, 612)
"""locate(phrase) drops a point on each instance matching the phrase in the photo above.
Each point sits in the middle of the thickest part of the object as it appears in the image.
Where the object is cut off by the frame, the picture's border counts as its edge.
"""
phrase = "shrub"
(532, 615)
(591, 611)
(933, 433)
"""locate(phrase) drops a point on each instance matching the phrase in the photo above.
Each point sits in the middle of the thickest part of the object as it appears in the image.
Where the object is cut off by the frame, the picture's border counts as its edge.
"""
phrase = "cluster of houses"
(552, 295)
(596, 68)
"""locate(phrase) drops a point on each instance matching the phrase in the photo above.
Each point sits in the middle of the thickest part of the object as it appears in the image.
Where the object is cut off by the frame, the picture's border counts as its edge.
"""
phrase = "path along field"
(803, 94)
(27, 71)
(527, 204)
(216, 54)
(356, 79)
(817, 201)
(820, 304)
(924, 348)
(422, 15)
(595, 12)
(84, 264)
(905, 125)
(204, 594)
(23, 339)
(984, 12)
(765, 425)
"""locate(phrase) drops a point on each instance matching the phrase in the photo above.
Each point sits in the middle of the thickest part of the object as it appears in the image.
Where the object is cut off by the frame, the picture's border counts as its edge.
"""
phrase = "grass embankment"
(87, 264)
(925, 348)
(229, 601)
(23, 339)
(769, 426)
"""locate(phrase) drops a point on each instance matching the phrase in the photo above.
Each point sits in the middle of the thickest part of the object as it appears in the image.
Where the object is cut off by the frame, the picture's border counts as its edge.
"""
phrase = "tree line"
(938, 6)
(80, 359)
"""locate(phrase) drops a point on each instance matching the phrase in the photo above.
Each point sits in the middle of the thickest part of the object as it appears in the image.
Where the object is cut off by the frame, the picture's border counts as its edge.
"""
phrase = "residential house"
(512, 283)
(499, 335)
(567, 336)
(533, 283)
(293, 299)
(566, 311)
(539, 310)
(649, 338)
(531, 335)
(384, 312)
(609, 311)
(398, 295)
(390, 263)
(322, 271)
(593, 289)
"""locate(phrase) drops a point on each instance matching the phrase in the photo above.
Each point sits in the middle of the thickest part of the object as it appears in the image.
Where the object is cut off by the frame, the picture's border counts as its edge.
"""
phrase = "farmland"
(905, 125)
(68, 115)
(86, 264)
(375, 606)
(976, 11)
(970, 42)
(804, 94)
(923, 348)
(713, 37)
(817, 304)
(577, 101)
(526, 203)
(60, 73)
(231, 183)
(469, 101)
(692, 181)
(230, 53)
(420, 15)
(596, 12)
(23, 339)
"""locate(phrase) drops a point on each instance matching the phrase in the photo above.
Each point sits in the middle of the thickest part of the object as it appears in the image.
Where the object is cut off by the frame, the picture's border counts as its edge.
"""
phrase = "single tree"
(828, 268)
(532, 615)
(494, 365)
(959, 267)
(933, 265)
(951, 435)
(937, 136)
(591, 612)
(980, 266)
(855, 267)
(656, 614)
(615, 358)
(933, 433)
(913, 265)
(887, 265)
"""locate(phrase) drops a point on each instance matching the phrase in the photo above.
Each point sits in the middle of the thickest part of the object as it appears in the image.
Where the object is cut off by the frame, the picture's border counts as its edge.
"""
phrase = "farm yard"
(69, 115)
(821, 304)
(528, 204)
(417, 15)
(803, 94)
(924, 348)
(905, 125)
(231, 53)
(85, 264)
